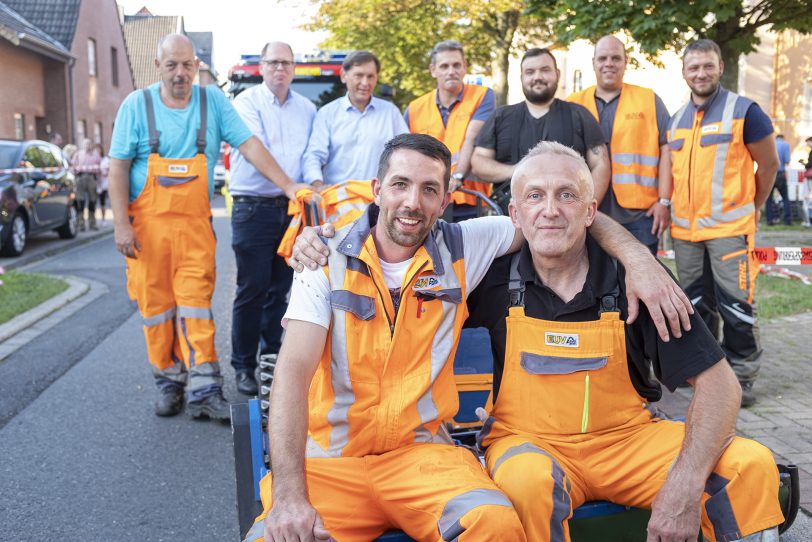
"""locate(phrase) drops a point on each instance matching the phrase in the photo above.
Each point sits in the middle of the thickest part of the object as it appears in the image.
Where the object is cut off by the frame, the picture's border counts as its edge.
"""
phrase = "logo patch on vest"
(178, 168)
(635, 115)
(567, 340)
(710, 129)
(426, 283)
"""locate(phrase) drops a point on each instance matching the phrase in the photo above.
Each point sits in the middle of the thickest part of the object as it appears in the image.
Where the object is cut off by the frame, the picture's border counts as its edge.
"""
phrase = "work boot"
(80, 224)
(247, 383)
(748, 395)
(214, 407)
(169, 402)
(93, 225)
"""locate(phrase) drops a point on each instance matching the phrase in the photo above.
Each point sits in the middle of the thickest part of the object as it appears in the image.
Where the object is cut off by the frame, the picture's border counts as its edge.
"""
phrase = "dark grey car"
(37, 194)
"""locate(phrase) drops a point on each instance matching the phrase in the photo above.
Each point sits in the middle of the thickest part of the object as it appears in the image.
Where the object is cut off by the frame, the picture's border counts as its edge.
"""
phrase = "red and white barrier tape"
(784, 255)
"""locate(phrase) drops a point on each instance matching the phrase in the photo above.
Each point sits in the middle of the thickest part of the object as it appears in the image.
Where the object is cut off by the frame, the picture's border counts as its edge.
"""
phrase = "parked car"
(37, 194)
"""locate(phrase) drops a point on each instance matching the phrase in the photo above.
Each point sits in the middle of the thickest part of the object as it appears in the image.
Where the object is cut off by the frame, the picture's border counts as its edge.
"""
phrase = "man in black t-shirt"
(572, 421)
(515, 129)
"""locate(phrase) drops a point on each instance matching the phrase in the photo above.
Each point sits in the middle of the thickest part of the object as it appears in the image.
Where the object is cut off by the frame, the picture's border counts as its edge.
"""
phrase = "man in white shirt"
(349, 133)
(281, 119)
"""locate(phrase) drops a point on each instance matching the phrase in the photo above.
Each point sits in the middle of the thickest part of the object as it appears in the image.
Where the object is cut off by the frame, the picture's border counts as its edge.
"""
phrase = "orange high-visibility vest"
(386, 379)
(635, 144)
(714, 177)
(424, 118)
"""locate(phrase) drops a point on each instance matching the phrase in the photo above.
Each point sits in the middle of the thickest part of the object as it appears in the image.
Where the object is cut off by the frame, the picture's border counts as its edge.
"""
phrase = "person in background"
(85, 165)
(101, 187)
(782, 147)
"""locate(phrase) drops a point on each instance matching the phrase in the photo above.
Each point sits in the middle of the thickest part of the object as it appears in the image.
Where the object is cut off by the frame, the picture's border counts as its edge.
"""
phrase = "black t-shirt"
(674, 362)
(580, 131)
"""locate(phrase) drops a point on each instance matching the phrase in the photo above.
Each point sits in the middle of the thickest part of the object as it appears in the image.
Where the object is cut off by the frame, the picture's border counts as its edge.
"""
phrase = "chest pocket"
(540, 364)
(714, 139)
(452, 295)
(676, 145)
(360, 306)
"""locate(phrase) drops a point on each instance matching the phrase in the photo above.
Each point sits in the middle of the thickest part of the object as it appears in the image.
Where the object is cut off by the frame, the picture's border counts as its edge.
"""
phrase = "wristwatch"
(665, 202)
(459, 176)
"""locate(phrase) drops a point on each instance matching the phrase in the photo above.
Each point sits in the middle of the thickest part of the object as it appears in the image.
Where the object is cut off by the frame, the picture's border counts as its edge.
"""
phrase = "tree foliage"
(658, 25)
(402, 32)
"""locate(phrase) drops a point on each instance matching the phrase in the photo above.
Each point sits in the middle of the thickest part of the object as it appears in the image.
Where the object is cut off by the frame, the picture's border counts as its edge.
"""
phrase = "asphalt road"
(82, 457)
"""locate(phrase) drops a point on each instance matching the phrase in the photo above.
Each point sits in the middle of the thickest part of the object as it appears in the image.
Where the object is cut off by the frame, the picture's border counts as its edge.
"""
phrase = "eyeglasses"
(276, 64)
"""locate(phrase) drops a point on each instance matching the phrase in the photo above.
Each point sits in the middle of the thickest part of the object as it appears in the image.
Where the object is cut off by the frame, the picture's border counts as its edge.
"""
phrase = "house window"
(97, 133)
(91, 56)
(19, 126)
(114, 65)
(81, 131)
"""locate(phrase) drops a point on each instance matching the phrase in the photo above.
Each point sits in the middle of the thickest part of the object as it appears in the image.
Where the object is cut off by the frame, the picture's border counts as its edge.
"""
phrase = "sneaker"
(247, 383)
(214, 407)
(748, 395)
(169, 402)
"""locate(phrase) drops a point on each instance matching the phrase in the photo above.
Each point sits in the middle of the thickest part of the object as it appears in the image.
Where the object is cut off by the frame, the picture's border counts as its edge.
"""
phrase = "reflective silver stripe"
(739, 314)
(676, 119)
(195, 312)
(256, 532)
(524, 448)
(455, 509)
(679, 221)
(729, 216)
(159, 319)
(313, 449)
(631, 178)
(720, 159)
(629, 158)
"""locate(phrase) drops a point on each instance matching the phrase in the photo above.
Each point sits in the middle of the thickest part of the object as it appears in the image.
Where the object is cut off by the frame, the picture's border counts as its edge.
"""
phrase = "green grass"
(775, 296)
(23, 291)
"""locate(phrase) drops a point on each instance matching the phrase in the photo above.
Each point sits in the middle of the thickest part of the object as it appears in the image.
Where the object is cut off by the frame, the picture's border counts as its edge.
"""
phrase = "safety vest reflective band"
(386, 379)
(635, 144)
(714, 176)
(424, 118)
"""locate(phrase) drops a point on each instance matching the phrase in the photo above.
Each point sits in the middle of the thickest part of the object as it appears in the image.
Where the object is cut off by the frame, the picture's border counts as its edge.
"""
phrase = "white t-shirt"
(484, 239)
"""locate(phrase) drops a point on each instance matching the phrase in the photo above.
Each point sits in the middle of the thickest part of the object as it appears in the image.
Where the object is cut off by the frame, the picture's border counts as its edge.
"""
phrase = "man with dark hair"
(634, 121)
(716, 140)
(515, 129)
(454, 113)
(349, 133)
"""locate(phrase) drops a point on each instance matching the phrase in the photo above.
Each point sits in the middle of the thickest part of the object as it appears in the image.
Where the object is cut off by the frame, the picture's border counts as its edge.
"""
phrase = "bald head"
(174, 41)
(609, 63)
(177, 64)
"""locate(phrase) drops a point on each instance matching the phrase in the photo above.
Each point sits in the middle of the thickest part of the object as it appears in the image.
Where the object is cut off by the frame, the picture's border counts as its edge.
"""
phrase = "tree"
(402, 32)
(658, 25)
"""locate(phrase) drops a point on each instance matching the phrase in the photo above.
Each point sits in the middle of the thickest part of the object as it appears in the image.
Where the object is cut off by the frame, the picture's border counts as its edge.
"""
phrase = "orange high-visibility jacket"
(386, 379)
(424, 118)
(635, 144)
(714, 177)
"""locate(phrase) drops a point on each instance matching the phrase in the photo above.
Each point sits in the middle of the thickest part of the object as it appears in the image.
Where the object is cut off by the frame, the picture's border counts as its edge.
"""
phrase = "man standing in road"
(281, 119)
(165, 144)
(716, 139)
(784, 156)
(515, 129)
(634, 121)
(85, 163)
(349, 133)
(454, 113)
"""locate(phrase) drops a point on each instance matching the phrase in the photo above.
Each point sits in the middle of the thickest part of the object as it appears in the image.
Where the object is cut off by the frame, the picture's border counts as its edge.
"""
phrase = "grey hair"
(272, 43)
(555, 149)
(447, 45)
(168, 37)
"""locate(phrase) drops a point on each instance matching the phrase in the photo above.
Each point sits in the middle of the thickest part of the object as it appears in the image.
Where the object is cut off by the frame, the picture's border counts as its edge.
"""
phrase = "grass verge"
(23, 291)
(775, 296)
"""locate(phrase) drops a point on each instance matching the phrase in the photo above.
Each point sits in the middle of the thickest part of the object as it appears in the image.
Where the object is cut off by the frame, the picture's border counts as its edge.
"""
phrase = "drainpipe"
(72, 120)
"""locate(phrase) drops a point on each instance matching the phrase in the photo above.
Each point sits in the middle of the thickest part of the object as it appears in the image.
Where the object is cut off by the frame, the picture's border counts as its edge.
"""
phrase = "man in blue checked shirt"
(349, 133)
(281, 119)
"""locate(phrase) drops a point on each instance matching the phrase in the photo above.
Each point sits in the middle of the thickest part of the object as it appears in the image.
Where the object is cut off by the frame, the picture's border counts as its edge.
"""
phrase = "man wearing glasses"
(281, 118)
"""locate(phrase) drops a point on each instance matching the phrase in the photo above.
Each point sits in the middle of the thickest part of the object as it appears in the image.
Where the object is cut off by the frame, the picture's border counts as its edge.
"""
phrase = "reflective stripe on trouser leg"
(205, 380)
(196, 330)
(451, 523)
(523, 472)
(159, 332)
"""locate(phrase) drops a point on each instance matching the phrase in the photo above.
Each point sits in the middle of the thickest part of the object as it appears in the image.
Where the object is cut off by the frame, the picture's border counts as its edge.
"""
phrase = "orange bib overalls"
(172, 279)
(568, 427)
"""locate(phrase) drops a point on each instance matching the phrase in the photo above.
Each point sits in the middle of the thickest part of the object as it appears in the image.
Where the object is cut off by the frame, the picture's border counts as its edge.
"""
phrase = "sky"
(239, 26)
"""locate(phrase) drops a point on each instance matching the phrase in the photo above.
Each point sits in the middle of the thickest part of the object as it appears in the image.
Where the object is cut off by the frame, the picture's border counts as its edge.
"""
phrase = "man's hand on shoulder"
(294, 519)
(675, 515)
(666, 302)
(309, 250)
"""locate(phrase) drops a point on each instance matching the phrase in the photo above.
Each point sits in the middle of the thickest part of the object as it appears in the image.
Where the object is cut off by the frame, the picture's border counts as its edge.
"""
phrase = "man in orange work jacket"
(165, 144)
(716, 140)
(634, 121)
(454, 113)
(572, 419)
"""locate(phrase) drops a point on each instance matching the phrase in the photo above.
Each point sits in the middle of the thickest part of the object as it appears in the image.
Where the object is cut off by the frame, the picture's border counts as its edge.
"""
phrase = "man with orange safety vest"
(716, 140)
(454, 113)
(364, 381)
(634, 121)
(165, 144)
(572, 419)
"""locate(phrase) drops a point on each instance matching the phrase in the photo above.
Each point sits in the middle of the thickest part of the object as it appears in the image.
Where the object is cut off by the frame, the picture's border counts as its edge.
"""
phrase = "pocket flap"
(539, 364)
(715, 139)
(676, 144)
(164, 180)
(362, 306)
(452, 295)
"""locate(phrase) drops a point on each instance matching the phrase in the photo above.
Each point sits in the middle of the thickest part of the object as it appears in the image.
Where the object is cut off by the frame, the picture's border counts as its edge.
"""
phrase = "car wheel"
(16, 236)
(70, 227)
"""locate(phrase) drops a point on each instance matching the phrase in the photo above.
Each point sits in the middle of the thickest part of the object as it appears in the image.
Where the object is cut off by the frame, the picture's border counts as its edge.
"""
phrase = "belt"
(277, 201)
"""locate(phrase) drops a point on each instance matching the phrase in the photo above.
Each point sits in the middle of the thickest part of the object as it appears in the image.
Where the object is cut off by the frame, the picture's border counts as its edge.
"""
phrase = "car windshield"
(319, 92)
(8, 151)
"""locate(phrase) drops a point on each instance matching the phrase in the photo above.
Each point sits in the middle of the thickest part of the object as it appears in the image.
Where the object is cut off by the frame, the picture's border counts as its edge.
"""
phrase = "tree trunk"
(730, 77)
(507, 23)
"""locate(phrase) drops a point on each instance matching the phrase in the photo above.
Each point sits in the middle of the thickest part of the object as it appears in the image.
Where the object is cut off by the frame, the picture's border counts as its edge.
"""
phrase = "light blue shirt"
(346, 143)
(783, 154)
(284, 129)
(178, 128)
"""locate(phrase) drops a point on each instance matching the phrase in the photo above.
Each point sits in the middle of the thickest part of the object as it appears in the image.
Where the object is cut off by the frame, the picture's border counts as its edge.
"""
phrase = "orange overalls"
(569, 427)
(172, 279)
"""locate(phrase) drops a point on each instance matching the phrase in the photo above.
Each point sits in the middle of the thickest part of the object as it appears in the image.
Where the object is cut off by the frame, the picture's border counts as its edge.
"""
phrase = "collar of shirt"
(448, 109)
(348, 104)
(289, 98)
(598, 282)
(710, 99)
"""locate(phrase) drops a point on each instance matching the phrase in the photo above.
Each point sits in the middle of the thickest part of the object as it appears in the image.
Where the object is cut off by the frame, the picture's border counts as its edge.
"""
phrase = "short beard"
(707, 93)
(540, 98)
